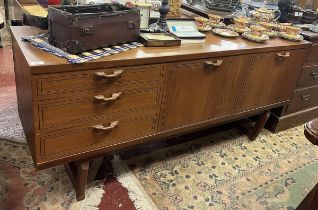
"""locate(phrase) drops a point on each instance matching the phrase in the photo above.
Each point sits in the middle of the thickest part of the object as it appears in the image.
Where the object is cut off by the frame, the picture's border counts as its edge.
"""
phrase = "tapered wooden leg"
(253, 131)
(78, 173)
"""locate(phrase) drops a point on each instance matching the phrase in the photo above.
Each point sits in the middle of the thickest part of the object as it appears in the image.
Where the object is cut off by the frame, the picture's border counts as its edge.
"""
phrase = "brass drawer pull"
(306, 97)
(283, 55)
(210, 64)
(315, 74)
(103, 99)
(101, 128)
(102, 75)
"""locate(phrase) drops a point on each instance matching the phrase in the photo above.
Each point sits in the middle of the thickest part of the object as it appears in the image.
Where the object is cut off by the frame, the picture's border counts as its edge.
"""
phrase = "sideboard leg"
(253, 131)
(259, 125)
(78, 173)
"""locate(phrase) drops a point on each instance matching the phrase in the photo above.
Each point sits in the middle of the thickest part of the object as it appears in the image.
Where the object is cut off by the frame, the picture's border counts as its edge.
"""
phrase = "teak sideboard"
(72, 113)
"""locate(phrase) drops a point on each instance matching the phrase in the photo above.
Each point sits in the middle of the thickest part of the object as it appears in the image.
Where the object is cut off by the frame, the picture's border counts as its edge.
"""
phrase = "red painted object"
(54, 2)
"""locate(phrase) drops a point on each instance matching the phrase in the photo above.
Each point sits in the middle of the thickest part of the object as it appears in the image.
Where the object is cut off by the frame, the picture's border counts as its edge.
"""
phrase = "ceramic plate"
(220, 25)
(297, 38)
(253, 38)
(225, 32)
(207, 28)
(238, 30)
(272, 34)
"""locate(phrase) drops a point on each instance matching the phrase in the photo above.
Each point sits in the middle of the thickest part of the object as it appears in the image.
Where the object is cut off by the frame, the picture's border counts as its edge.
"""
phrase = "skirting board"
(276, 123)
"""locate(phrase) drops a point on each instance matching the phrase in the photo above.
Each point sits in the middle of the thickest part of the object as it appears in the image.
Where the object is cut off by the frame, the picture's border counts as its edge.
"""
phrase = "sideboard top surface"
(41, 62)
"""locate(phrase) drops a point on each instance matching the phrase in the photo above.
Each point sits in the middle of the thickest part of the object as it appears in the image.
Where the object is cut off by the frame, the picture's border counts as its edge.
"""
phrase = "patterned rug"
(22, 187)
(224, 171)
(4, 33)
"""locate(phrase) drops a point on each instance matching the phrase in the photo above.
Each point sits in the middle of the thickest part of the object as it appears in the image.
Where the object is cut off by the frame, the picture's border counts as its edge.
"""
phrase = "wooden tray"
(159, 40)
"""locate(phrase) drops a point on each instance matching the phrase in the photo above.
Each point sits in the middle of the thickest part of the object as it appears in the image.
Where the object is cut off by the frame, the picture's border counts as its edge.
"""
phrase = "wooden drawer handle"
(101, 128)
(103, 99)
(283, 55)
(306, 97)
(210, 64)
(102, 75)
(315, 74)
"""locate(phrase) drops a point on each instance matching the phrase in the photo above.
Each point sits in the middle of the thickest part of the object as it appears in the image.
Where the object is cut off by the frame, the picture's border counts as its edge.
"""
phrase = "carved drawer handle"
(283, 55)
(103, 75)
(103, 99)
(306, 97)
(101, 128)
(315, 74)
(210, 64)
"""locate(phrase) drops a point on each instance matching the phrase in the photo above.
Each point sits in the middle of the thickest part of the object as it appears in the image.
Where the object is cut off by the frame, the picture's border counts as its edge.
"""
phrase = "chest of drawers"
(303, 106)
(73, 113)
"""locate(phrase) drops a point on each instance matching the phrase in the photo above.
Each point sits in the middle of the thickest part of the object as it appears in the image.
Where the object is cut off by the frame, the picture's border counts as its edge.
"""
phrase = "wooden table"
(72, 113)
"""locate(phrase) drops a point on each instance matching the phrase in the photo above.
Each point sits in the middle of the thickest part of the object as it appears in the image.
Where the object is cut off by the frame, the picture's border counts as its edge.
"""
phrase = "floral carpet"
(225, 171)
(22, 187)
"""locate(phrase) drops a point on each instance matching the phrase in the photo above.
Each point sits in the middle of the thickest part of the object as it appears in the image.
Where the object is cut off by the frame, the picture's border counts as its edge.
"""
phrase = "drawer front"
(303, 99)
(72, 111)
(116, 130)
(203, 89)
(101, 79)
(308, 77)
(313, 53)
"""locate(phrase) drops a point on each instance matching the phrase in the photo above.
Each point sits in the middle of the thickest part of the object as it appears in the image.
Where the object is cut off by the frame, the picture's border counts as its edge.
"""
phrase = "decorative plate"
(253, 38)
(207, 28)
(271, 34)
(225, 32)
(219, 25)
(238, 30)
(289, 37)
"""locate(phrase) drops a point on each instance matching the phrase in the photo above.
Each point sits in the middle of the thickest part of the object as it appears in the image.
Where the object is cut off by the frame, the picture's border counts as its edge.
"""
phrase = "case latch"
(131, 24)
(87, 31)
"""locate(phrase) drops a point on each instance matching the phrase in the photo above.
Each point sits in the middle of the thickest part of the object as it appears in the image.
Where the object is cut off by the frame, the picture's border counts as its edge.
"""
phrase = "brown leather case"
(77, 29)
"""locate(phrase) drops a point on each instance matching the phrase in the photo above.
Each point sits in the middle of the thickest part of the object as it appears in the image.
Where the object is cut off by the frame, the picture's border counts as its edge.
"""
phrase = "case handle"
(101, 128)
(315, 74)
(102, 75)
(103, 99)
(212, 64)
(306, 97)
(283, 55)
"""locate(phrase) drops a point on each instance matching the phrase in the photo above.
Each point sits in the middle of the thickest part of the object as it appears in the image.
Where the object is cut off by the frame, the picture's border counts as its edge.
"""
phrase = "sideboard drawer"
(303, 99)
(116, 130)
(309, 76)
(313, 53)
(101, 79)
(95, 106)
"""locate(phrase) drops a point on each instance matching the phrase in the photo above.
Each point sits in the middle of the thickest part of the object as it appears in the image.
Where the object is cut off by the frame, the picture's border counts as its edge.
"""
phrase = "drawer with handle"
(97, 135)
(303, 99)
(308, 77)
(62, 84)
(61, 114)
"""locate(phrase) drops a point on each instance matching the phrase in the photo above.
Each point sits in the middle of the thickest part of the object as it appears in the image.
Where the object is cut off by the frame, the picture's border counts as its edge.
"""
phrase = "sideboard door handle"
(103, 99)
(283, 55)
(209, 64)
(306, 97)
(101, 128)
(102, 75)
(315, 74)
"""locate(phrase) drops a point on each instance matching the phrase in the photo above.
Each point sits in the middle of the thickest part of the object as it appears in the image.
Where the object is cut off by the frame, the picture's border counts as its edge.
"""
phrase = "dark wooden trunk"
(77, 29)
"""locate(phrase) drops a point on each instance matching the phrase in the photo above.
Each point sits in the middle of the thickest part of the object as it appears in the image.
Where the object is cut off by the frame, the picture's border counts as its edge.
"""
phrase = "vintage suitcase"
(76, 29)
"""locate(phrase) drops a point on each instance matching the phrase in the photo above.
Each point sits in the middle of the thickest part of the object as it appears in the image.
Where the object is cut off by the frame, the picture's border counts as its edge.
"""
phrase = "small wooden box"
(159, 39)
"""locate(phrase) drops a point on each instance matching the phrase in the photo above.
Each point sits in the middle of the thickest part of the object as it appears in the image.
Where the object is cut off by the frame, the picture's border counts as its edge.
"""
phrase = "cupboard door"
(272, 78)
(203, 89)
